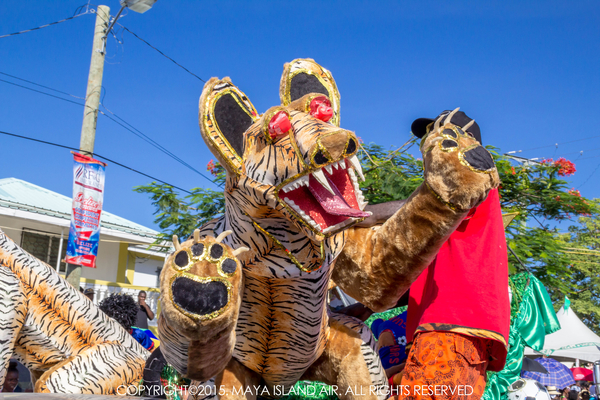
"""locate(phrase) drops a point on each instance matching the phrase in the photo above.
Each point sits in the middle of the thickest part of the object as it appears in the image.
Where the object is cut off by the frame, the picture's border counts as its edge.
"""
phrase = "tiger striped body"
(58, 333)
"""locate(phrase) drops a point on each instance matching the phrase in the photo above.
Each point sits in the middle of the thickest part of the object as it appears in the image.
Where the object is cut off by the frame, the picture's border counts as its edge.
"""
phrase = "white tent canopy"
(573, 340)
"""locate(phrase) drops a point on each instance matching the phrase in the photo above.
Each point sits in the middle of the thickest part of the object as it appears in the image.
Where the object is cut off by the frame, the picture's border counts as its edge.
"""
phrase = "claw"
(240, 250)
(467, 126)
(223, 235)
(449, 117)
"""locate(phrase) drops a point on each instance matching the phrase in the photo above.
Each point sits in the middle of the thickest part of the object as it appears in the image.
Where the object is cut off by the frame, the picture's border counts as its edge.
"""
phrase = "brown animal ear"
(225, 115)
(303, 76)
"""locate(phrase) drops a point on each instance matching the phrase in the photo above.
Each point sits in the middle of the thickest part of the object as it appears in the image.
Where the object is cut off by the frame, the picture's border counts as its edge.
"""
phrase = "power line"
(95, 155)
(588, 178)
(39, 91)
(163, 54)
(45, 87)
(44, 26)
(556, 144)
(130, 127)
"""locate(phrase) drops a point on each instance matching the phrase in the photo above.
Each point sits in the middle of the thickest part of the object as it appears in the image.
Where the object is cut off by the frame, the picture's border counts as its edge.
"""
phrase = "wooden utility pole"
(92, 101)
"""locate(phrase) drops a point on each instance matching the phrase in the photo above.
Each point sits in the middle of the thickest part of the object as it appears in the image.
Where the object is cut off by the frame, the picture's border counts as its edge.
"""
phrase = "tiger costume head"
(293, 161)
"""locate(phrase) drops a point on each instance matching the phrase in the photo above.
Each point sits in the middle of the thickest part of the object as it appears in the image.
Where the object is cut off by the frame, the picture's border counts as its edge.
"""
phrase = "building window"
(44, 246)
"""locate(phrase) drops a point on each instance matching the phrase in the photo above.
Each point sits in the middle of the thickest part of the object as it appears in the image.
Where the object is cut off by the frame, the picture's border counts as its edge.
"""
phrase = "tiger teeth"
(319, 175)
(304, 216)
(329, 168)
(356, 165)
(298, 183)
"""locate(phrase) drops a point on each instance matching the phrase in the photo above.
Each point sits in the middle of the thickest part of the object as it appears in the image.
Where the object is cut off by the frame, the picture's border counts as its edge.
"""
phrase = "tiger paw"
(201, 287)
(458, 169)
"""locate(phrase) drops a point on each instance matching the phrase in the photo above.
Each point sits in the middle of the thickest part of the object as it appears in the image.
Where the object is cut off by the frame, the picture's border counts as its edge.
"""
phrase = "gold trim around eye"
(318, 147)
(200, 279)
(267, 119)
(344, 153)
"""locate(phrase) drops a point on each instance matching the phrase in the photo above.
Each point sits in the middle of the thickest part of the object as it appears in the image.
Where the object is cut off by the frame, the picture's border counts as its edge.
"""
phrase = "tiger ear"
(225, 115)
(303, 76)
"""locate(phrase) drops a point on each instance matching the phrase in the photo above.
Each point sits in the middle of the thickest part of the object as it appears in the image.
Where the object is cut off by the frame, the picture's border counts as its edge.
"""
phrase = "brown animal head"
(293, 161)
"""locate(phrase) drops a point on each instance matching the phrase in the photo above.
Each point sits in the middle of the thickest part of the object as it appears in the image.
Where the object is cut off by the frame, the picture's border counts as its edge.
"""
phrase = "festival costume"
(292, 196)
(445, 360)
(449, 297)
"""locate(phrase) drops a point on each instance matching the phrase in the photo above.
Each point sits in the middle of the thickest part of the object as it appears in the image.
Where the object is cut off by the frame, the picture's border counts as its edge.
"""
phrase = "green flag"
(567, 303)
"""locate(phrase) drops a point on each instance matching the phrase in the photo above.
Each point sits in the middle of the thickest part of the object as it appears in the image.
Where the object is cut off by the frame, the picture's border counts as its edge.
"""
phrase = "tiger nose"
(333, 147)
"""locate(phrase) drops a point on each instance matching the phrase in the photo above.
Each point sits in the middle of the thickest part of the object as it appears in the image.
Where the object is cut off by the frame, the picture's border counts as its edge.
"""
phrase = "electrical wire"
(556, 144)
(589, 177)
(163, 54)
(95, 155)
(44, 26)
(128, 126)
(45, 87)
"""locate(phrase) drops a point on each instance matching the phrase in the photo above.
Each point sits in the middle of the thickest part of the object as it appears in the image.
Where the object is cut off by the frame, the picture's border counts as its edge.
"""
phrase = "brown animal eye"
(351, 147)
(320, 158)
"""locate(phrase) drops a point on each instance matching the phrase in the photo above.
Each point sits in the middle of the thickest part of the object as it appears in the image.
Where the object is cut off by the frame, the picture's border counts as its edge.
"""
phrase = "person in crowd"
(391, 340)
(573, 395)
(89, 293)
(584, 394)
(11, 382)
(124, 309)
(564, 393)
(144, 313)
(553, 392)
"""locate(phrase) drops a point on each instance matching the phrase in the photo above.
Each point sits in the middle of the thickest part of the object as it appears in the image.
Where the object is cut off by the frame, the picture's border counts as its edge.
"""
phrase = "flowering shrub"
(564, 166)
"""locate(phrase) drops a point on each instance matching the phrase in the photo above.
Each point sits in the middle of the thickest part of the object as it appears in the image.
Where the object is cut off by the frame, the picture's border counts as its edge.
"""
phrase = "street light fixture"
(139, 6)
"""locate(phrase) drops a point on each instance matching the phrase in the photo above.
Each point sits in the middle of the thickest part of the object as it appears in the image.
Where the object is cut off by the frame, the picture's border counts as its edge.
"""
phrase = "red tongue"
(333, 203)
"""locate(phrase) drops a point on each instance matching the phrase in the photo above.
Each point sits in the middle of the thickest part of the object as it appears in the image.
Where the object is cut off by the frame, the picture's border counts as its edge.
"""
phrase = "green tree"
(582, 245)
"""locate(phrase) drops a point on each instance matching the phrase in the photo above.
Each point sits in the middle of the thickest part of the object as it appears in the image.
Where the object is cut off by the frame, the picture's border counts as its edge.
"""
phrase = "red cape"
(466, 285)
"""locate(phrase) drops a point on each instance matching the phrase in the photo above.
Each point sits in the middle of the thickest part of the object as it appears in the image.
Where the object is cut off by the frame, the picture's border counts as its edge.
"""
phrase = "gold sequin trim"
(232, 159)
(310, 67)
(267, 119)
(199, 279)
(463, 161)
(289, 253)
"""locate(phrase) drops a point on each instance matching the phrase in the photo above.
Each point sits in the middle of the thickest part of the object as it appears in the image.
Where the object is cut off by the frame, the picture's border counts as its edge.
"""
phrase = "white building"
(38, 220)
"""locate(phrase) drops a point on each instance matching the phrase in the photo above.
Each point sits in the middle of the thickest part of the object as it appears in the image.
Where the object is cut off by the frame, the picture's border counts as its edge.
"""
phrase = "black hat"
(419, 126)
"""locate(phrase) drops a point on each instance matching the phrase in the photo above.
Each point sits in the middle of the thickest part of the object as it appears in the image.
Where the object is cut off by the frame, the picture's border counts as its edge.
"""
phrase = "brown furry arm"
(377, 266)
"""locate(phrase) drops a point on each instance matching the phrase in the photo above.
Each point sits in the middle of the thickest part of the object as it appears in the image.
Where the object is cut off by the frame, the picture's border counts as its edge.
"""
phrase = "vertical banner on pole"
(84, 233)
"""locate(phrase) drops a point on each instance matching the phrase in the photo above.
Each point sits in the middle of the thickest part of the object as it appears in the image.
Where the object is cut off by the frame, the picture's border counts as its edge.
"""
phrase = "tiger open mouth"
(329, 198)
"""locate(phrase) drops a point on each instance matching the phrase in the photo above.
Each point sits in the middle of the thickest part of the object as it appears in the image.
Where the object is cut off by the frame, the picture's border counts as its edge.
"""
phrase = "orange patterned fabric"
(445, 365)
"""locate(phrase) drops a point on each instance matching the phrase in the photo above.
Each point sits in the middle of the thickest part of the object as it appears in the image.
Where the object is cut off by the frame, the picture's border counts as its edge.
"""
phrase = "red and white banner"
(88, 190)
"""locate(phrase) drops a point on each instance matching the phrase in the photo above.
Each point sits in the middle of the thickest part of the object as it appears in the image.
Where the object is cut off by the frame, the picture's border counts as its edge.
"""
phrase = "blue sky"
(527, 71)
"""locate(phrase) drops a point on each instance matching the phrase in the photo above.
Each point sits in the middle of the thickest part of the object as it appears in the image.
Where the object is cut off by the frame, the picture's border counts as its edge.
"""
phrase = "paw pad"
(203, 275)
